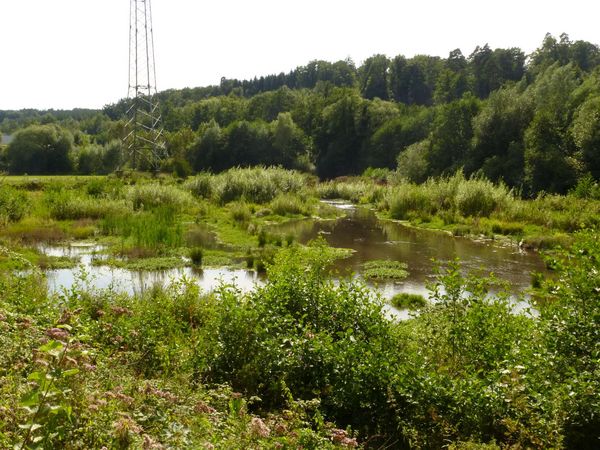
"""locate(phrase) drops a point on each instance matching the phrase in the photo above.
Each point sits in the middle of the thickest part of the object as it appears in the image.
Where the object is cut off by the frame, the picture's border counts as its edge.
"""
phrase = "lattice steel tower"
(144, 143)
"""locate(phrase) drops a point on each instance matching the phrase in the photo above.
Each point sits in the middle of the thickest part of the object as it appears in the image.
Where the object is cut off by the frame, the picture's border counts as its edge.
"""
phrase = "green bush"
(14, 204)
(240, 212)
(351, 189)
(299, 335)
(201, 185)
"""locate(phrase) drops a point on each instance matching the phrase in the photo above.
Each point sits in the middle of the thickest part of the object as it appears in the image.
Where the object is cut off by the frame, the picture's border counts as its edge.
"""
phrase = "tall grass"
(156, 229)
(148, 196)
(72, 205)
(356, 190)
(291, 204)
(255, 185)
(472, 197)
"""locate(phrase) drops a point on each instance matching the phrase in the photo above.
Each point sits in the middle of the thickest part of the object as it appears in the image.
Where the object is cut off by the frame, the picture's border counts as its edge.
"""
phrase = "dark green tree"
(586, 134)
(451, 135)
(41, 149)
(373, 77)
(340, 139)
(499, 130)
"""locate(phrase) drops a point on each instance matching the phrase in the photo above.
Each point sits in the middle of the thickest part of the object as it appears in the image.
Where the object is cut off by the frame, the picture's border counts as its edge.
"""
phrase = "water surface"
(360, 230)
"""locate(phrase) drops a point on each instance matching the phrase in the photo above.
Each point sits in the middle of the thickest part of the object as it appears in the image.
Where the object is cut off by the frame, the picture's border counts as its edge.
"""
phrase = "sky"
(63, 54)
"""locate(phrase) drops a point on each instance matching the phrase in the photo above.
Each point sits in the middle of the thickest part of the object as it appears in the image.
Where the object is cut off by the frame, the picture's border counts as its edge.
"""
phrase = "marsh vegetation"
(277, 363)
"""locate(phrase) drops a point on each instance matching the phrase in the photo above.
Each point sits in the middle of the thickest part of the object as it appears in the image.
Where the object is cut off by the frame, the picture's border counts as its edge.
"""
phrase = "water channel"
(359, 230)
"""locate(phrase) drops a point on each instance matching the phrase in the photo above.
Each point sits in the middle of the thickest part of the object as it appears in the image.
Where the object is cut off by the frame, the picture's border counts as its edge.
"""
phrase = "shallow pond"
(374, 239)
(360, 230)
(130, 281)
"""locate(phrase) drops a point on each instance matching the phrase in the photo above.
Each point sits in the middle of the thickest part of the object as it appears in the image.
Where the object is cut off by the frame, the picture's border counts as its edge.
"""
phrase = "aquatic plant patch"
(384, 270)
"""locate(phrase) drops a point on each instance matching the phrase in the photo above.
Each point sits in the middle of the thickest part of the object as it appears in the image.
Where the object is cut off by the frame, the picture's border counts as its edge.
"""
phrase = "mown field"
(301, 362)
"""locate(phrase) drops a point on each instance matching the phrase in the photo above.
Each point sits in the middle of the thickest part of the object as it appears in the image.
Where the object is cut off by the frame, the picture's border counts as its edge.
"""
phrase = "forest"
(529, 121)
(290, 278)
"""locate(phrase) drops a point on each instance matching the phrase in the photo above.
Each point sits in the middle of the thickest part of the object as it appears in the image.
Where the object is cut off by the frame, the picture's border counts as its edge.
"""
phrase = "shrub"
(14, 204)
(104, 187)
(351, 189)
(70, 205)
(300, 335)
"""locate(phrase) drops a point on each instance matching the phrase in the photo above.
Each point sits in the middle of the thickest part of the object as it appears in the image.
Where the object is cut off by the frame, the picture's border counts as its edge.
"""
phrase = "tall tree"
(373, 77)
(451, 135)
(499, 130)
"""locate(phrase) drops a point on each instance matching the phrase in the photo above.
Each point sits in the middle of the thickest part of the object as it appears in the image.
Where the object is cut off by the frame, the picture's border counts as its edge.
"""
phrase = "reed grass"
(156, 229)
(154, 195)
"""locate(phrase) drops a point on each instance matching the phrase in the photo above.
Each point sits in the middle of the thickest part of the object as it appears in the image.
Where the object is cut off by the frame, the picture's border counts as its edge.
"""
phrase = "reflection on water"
(136, 282)
(376, 239)
(130, 281)
(359, 230)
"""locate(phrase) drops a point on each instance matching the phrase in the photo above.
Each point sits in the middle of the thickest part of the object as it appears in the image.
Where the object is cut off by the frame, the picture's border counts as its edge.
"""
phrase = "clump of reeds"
(153, 195)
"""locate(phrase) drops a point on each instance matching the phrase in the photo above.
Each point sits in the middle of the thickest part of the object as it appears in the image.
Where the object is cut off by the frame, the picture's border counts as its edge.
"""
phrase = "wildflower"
(202, 408)
(126, 425)
(280, 429)
(120, 311)
(25, 323)
(57, 334)
(341, 437)
(258, 428)
(151, 444)
(70, 361)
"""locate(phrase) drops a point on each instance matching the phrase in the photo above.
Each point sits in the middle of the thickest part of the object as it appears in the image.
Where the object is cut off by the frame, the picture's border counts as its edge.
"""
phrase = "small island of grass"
(404, 300)
(384, 270)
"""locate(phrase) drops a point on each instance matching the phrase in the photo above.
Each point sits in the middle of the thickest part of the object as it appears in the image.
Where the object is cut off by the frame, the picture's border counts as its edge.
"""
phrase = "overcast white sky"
(74, 53)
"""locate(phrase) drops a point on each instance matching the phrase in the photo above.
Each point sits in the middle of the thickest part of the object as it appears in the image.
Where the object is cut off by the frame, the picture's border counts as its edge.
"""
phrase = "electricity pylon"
(144, 142)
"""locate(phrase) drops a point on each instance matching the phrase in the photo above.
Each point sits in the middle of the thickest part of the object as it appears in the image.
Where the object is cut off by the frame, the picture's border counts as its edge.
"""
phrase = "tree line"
(531, 121)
